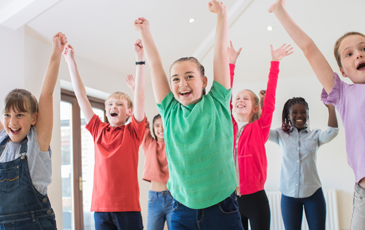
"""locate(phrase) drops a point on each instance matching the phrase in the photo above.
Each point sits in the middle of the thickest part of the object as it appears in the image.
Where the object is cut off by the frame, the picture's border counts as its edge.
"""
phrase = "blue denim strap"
(3, 144)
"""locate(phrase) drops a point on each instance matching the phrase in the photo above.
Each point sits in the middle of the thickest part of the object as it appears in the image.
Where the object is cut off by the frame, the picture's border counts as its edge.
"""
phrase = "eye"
(6, 115)
(363, 49)
(349, 54)
(19, 115)
(175, 79)
(190, 76)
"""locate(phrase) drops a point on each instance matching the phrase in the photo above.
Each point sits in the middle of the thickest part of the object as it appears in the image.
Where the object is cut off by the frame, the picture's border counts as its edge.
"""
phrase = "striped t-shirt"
(199, 148)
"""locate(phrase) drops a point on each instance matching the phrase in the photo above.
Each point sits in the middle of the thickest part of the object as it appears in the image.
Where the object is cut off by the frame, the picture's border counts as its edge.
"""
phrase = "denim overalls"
(22, 207)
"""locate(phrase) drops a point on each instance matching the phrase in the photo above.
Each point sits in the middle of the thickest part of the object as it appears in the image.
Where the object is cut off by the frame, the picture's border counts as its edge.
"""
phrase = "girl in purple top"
(350, 56)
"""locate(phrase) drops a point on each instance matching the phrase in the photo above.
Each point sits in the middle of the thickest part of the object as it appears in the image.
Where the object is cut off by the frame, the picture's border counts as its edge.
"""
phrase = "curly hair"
(286, 124)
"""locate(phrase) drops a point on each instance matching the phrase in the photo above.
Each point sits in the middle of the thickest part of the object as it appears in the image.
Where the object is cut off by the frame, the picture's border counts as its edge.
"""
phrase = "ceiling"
(102, 31)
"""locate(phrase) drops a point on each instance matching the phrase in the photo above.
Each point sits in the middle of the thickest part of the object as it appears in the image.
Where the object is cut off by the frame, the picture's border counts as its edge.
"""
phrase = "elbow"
(309, 48)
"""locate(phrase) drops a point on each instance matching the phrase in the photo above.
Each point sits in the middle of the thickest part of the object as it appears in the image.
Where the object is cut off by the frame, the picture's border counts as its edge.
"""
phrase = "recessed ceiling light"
(269, 28)
(191, 20)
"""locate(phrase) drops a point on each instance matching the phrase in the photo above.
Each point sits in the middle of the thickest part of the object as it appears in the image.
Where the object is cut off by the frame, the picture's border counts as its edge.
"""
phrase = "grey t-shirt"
(39, 163)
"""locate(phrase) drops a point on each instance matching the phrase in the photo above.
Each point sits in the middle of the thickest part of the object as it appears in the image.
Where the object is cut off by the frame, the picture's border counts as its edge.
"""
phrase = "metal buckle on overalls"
(22, 157)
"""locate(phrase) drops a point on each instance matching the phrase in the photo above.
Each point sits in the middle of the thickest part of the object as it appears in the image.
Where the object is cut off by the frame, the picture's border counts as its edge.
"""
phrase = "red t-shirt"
(116, 186)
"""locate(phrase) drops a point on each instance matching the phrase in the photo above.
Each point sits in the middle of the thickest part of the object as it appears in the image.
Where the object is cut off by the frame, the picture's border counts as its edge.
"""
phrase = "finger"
(282, 46)
(272, 48)
(239, 51)
(230, 42)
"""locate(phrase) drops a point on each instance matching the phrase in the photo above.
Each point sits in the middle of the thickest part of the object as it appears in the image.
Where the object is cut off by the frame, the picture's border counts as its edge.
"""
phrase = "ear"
(205, 81)
(129, 112)
(256, 109)
(343, 72)
(34, 118)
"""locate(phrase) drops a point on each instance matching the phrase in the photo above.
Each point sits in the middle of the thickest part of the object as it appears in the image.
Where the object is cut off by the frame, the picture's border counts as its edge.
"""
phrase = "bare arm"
(44, 123)
(220, 61)
(139, 83)
(318, 62)
(332, 119)
(160, 83)
(77, 84)
(1, 126)
(233, 54)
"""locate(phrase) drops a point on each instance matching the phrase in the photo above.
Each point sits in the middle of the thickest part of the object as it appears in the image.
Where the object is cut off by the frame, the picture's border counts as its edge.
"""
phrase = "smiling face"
(351, 52)
(298, 114)
(187, 83)
(245, 105)
(117, 111)
(158, 129)
(17, 124)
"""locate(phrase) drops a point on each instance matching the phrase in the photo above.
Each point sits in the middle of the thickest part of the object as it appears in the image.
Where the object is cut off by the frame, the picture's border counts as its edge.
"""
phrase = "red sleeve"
(147, 138)
(269, 100)
(94, 125)
(231, 70)
(138, 129)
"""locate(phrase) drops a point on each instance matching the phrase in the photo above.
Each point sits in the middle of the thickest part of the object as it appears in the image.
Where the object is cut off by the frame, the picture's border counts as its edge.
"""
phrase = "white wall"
(332, 164)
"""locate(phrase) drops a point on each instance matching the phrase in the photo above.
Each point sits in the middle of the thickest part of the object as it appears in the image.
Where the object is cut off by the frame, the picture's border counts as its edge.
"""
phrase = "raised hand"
(68, 53)
(262, 94)
(232, 53)
(283, 51)
(216, 7)
(59, 42)
(138, 48)
(130, 82)
(277, 4)
(141, 24)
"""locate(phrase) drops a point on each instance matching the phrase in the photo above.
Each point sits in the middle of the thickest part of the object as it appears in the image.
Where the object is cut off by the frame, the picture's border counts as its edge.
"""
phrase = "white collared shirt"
(299, 176)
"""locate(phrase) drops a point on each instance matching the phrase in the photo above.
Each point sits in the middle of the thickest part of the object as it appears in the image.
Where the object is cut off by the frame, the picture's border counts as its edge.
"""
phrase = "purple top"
(349, 101)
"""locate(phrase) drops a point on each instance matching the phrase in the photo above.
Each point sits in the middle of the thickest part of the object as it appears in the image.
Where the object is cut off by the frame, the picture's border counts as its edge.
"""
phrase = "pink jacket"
(252, 161)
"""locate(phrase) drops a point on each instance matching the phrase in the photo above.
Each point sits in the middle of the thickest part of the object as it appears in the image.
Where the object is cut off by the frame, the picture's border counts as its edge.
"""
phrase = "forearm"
(139, 93)
(159, 81)
(221, 62)
(1, 126)
(80, 91)
(332, 119)
(51, 75)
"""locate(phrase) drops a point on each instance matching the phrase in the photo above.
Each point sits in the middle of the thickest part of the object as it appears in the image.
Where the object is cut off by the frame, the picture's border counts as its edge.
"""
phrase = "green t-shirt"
(199, 148)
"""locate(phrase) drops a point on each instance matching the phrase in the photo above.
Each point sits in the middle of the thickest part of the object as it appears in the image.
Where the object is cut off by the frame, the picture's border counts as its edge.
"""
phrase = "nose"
(183, 82)
(359, 55)
(13, 121)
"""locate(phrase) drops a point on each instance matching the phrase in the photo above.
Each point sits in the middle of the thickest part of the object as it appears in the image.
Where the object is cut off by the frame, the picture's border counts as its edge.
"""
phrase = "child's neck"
(244, 118)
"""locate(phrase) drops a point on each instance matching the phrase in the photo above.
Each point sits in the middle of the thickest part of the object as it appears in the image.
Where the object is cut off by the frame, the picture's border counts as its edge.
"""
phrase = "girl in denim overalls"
(25, 156)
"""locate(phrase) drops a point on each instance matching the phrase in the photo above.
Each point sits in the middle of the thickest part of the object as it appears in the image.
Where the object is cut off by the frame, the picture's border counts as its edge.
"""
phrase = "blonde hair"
(123, 96)
(338, 43)
(256, 102)
(20, 100)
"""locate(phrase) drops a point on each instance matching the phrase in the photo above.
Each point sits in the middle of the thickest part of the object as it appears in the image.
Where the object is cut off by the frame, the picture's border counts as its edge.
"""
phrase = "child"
(115, 198)
(299, 180)
(350, 56)
(155, 171)
(251, 134)
(198, 133)
(25, 155)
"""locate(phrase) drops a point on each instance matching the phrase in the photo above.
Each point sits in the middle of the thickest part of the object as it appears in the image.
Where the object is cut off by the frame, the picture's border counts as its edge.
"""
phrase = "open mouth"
(185, 93)
(113, 114)
(361, 66)
(15, 131)
(240, 106)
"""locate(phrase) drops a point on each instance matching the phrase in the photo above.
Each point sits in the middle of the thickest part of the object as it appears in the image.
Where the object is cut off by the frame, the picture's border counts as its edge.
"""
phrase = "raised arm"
(318, 62)
(332, 119)
(77, 84)
(139, 83)
(220, 60)
(44, 123)
(270, 94)
(160, 83)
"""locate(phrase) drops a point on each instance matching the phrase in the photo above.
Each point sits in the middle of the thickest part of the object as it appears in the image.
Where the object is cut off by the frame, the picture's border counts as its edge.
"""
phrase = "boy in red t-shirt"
(115, 198)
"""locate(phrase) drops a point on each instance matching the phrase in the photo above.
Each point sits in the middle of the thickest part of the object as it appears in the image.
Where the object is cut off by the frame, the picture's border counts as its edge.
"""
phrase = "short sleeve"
(335, 95)
(166, 104)
(138, 128)
(93, 125)
(221, 94)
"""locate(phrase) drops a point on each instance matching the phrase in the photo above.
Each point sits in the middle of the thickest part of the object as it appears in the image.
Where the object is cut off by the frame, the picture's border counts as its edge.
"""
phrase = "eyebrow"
(349, 46)
(185, 73)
